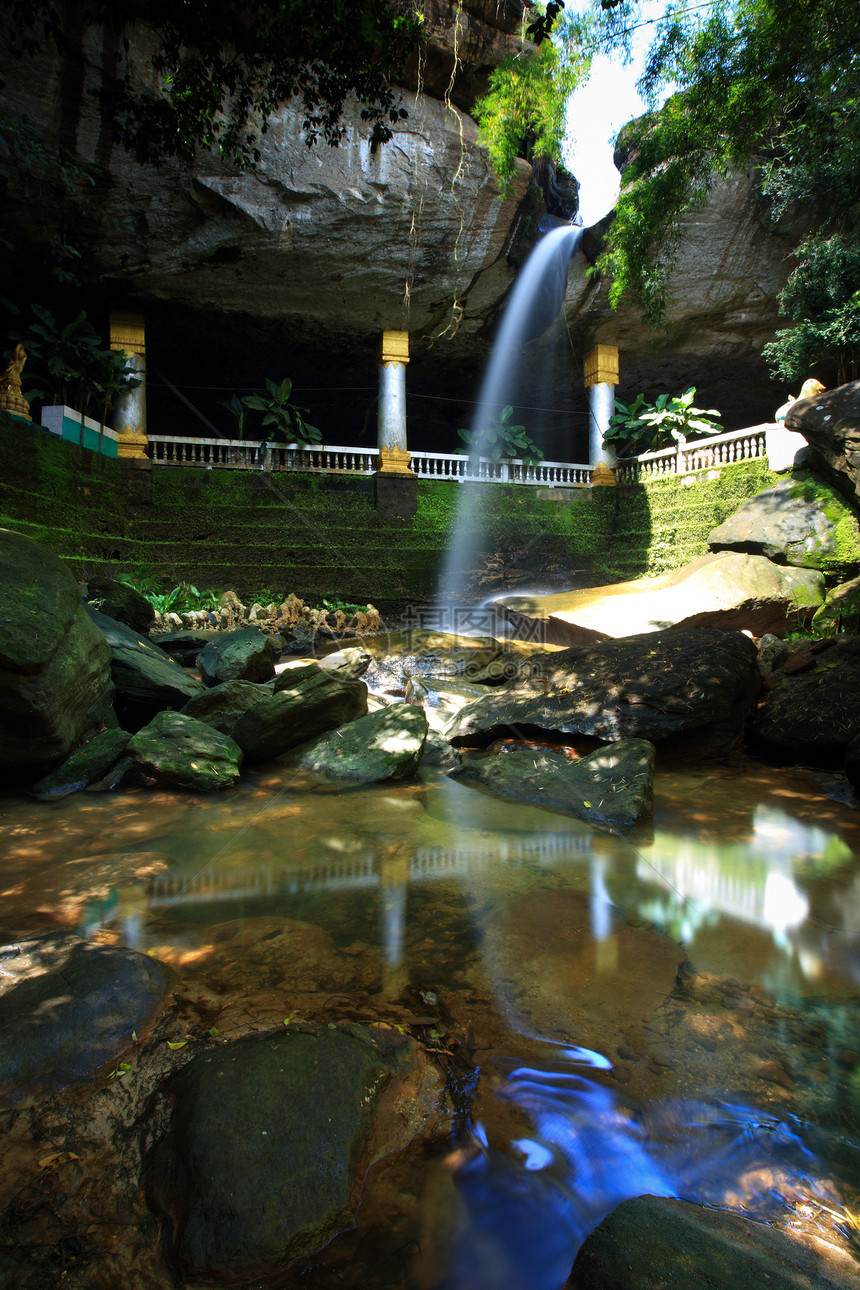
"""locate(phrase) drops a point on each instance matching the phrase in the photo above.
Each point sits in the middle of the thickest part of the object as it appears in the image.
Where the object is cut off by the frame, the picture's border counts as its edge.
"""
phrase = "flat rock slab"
(387, 744)
(650, 1242)
(270, 1141)
(67, 1007)
(725, 589)
(695, 684)
(175, 751)
(613, 785)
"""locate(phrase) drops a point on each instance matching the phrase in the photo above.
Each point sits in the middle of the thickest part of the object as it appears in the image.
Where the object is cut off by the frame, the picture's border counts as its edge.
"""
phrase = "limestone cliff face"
(732, 261)
(413, 236)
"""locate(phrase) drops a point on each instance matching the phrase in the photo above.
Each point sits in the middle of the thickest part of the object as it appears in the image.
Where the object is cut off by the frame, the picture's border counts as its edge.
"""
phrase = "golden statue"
(808, 390)
(11, 398)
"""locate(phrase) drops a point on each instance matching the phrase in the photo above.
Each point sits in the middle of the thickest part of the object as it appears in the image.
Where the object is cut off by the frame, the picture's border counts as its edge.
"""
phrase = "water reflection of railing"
(367, 869)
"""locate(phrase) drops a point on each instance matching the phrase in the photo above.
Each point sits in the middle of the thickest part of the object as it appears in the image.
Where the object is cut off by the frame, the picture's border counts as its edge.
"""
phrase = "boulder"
(68, 1006)
(724, 589)
(175, 751)
(830, 423)
(799, 521)
(86, 765)
(185, 646)
(270, 1141)
(814, 715)
(55, 675)
(223, 705)
(308, 702)
(614, 785)
(653, 1241)
(244, 655)
(387, 744)
(851, 764)
(119, 601)
(841, 609)
(694, 686)
(147, 680)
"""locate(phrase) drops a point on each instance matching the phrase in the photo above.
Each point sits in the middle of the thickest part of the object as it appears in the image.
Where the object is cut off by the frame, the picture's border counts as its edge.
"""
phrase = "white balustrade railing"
(241, 454)
(704, 454)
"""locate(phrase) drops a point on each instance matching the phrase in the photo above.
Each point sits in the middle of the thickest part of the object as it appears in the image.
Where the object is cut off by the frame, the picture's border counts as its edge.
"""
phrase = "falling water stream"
(534, 303)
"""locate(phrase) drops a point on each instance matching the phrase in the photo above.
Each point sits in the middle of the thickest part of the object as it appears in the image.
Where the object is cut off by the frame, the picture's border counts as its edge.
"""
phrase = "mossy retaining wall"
(321, 537)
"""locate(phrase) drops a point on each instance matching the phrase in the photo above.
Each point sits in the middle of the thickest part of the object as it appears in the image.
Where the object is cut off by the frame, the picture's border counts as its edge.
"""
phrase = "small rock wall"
(319, 537)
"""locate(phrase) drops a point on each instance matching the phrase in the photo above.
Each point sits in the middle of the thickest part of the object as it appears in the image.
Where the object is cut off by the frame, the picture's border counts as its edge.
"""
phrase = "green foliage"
(821, 297)
(642, 427)
(523, 115)
(72, 364)
(499, 439)
(222, 70)
(771, 83)
(286, 419)
(239, 410)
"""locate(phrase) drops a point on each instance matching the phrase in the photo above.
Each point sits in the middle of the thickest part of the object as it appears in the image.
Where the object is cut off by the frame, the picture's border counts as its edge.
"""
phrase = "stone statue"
(11, 398)
(807, 391)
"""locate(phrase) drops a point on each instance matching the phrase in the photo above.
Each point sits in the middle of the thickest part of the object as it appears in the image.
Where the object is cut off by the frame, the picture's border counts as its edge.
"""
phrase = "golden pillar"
(600, 369)
(393, 356)
(127, 336)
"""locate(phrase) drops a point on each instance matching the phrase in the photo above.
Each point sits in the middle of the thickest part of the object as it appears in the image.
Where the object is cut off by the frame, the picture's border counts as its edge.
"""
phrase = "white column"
(129, 406)
(391, 422)
(601, 405)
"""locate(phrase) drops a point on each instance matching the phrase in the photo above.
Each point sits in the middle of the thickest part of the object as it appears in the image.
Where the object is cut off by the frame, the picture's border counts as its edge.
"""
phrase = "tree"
(224, 68)
(772, 83)
(823, 299)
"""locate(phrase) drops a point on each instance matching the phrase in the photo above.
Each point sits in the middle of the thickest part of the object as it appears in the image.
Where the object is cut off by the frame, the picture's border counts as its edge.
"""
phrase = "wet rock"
(382, 745)
(185, 646)
(814, 716)
(307, 703)
(223, 705)
(614, 785)
(438, 752)
(725, 589)
(348, 664)
(271, 1139)
(119, 601)
(67, 1007)
(55, 682)
(851, 764)
(652, 1241)
(442, 697)
(422, 654)
(830, 423)
(175, 751)
(147, 680)
(799, 521)
(87, 765)
(694, 685)
(244, 655)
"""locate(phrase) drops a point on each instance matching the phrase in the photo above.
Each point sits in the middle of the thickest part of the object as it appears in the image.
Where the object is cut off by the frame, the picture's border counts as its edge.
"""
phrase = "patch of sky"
(597, 111)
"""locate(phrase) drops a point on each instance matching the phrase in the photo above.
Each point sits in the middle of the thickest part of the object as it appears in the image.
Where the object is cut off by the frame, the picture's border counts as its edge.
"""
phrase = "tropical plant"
(523, 114)
(642, 426)
(239, 410)
(286, 419)
(499, 439)
(822, 299)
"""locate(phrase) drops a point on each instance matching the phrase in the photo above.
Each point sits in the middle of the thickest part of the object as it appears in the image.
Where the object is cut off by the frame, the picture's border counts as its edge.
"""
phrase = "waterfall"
(535, 302)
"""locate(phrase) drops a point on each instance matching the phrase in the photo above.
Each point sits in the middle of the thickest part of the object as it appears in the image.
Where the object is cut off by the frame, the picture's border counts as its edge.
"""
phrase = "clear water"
(671, 1011)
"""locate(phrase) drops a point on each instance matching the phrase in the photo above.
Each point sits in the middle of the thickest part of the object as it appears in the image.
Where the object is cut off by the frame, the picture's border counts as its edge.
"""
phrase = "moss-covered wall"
(321, 536)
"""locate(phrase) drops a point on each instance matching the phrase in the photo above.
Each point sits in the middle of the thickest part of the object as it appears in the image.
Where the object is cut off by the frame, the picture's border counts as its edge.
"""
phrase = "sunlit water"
(671, 1011)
